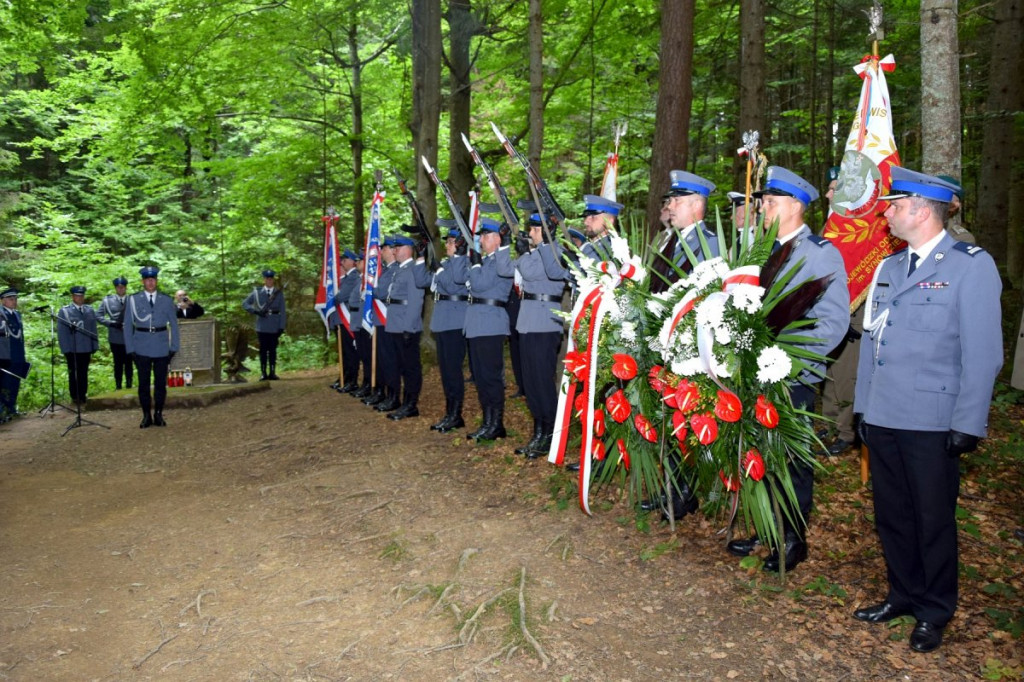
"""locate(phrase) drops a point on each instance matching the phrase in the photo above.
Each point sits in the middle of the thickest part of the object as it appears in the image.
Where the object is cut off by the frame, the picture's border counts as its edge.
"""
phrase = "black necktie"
(913, 264)
(150, 300)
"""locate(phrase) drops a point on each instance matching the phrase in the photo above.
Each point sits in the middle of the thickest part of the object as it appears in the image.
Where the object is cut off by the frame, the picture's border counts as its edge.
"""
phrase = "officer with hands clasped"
(151, 338)
(110, 313)
(78, 339)
(267, 304)
(924, 386)
(451, 299)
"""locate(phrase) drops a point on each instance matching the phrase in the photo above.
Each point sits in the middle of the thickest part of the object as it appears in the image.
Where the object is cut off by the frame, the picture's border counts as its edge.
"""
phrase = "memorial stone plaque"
(199, 350)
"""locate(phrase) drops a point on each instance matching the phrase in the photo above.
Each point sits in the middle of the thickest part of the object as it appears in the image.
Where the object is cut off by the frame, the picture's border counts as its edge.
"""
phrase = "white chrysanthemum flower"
(656, 307)
(706, 272)
(614, 311)
(689, 367)
(620, 248)
(687, 338)
(721, 368)
(628, 331)
(773, 365)
(711, 311)
(723, 334)
(747, 297)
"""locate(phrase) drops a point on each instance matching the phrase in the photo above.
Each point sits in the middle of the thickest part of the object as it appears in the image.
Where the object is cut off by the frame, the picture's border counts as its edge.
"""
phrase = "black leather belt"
(488, 301)
(151, 330)
(547, 298)
(273, 312)
(395, 301)
(354, 309)
(451, 297)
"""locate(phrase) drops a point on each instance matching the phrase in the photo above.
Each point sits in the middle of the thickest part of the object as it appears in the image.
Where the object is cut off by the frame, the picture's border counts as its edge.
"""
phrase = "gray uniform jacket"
(349, 283)
(693, 241)
(538, 316)
(405, 298)
(450, 280)
(931, 364)
(83, 318)
(111, 313)
(151, 332)
(273, 302)
(832, 310)
(12, 335)
(492, 280)
(5, 336)
(380, 292)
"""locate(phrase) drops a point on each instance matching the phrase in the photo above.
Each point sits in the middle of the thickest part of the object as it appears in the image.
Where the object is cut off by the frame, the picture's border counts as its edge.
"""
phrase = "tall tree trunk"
(940, 88)
(426, 97)
(356, 138)
(753, 74)
(536, 42)
(675, 96)
(1003, 101)
(461, 27)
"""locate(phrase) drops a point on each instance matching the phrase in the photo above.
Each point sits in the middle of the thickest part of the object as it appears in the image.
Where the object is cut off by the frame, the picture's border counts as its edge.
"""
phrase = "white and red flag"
(610, 181)
(371, 271)
(330, 276)
(856, 225)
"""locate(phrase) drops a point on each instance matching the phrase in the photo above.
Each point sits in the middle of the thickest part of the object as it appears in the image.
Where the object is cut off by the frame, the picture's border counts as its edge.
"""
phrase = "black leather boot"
(376, 396)
(496, 429)
(263, 371)
(538, 432)
(362, 392)
(390, 403)
(484, 425)
(743, 546)
(543, 445)
(796, 552)
(456, 421)
(439, 424)
(273, 372)
(147, 420)
(158, 418)
(408, 408)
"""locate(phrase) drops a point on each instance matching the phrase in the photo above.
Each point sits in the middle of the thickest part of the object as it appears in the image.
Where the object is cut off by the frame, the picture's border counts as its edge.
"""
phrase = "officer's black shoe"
(796, 552)
(839, 446)
(653, 503)
(376, 396)
(518, 394)
(361, 392)
(264, 377)
(574, 467)
(388, 405)
(926, 637)
(681, 506)
(542, 447)
(485, 424)
(439, 424)
(147, 421)
(408, 409)
(273, 376)
(880, 613)
(456, 422)
(538, 433)
(336, 385)
(349, 387)
(158, 419)
(743, 546)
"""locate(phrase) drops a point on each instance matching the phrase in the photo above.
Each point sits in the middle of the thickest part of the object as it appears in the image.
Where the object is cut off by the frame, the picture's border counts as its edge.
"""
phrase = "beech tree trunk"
(355, 140)
(426, 98)
(940, 88)
(461, 27)
(675, 96)
(536, 42)
(753, 75)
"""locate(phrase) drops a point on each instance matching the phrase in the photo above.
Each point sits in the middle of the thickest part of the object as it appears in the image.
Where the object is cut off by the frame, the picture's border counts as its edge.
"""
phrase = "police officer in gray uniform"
(687, 203)
(110, 313)
(349, 358)
(599, 214)
(12, 354)
(784, 200)
(540, 331)
(267, 304)
(451, 299)
(405, 325)
(924, 388)
(151, 338)
(387, 400)
(363, 340)
(78, 339)
(490, 281)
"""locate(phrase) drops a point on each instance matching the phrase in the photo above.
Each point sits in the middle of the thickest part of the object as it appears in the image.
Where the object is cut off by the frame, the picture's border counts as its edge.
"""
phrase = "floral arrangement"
(694, 378)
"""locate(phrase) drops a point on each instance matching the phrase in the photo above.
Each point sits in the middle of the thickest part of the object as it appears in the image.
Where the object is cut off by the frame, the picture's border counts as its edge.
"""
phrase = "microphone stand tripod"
(51, 407)
(75, 329)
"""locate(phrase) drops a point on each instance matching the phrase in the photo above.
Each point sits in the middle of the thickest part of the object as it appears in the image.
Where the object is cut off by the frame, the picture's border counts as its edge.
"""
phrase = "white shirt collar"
(925, 249)
(792, 235)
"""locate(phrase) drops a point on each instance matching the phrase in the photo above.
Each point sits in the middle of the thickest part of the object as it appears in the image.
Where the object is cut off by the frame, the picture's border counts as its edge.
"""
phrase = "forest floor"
(294, 534)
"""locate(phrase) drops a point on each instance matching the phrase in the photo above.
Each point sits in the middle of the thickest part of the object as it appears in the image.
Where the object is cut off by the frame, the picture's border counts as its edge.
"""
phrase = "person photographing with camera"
(187, 309)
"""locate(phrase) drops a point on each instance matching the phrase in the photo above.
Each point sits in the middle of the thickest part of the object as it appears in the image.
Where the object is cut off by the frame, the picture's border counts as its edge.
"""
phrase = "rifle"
(542, 197)
(417, 214)
(460, 221)
(507, 211)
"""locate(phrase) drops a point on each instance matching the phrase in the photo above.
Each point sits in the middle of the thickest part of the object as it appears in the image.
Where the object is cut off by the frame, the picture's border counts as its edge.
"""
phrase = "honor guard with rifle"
(490, 282)
(267, 304)
(405, 325)
(12, 354)
(540, 331)
(451, 299)
(151, 338)
(384, 400)
(349, 355)
(110, 312)
(78, 339)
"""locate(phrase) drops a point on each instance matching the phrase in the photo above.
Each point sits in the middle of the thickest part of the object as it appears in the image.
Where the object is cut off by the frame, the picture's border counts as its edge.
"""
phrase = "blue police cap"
(576, 234)
(787, 183)
(360, 256)
(9, 292)
(348, 253)
(402, 240)
(269, 273)
(453, 233)
(832, 174)
(908, 183)
(684, 182)
(593, 204)
(148, 271)
(488, 225)
(78, 290)
(120, 282)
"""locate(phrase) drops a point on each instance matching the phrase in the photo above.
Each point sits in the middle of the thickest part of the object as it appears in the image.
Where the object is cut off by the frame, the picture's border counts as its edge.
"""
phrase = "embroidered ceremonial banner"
(371, 271)
(856, 224)
(325, 304)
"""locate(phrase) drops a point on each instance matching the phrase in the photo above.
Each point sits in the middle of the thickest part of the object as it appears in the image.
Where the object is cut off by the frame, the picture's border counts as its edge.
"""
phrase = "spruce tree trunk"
(753, 96)
(356, 138)
(536, 41)
(461, 28)
(426, 97)
(940, 88)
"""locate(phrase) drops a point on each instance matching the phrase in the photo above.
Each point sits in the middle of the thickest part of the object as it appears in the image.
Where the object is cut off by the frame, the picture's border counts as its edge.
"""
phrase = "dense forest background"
(209, 138)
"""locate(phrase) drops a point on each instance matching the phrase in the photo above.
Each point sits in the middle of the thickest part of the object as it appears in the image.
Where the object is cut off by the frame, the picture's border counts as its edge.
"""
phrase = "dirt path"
(294, 534)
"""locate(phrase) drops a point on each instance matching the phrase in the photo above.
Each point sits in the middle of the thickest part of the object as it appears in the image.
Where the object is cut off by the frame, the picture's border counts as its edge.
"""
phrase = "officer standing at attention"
(12, 354)
(924, 387)
(386, 400)
(451, 299)
(405, 326)
(110, 314)
(784, 200)
(349, 358)
(490, 281)
(78, 339)
(687, 204)
(540, 331)
(363, 340)
(599, 214)
(149, 318)
(267, 304)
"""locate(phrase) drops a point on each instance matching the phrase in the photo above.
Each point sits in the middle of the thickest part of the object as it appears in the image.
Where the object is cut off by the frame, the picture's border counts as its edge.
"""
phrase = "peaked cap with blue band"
(488, 225)
(593, 204)
(787, 183)
(684, 183)
(9, 292)
(148, 271)
(908, 183)
(78, 290)
(266, 273)
(347, 253)
(120, 281)
(576, 234)
(402, 240)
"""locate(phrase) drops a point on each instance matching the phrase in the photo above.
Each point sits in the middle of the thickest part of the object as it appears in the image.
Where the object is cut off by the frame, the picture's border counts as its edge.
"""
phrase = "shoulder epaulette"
(971, 250)
(818, 239)
(894, 254)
